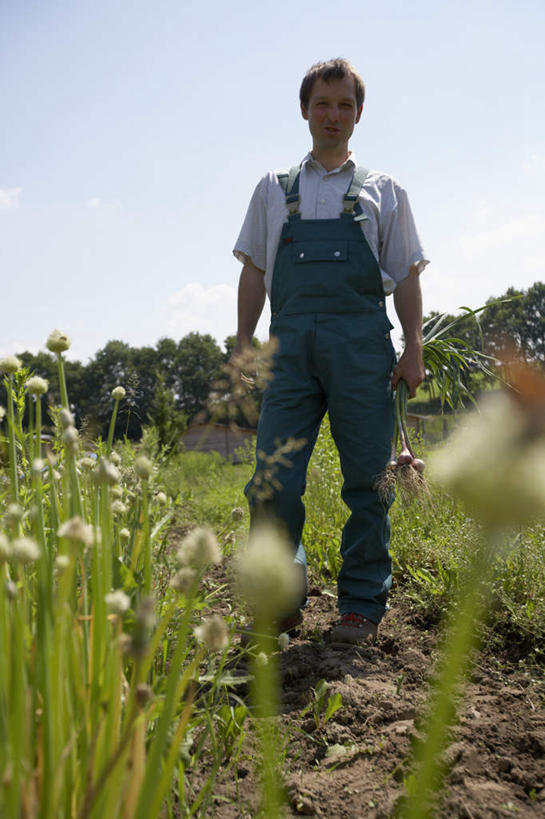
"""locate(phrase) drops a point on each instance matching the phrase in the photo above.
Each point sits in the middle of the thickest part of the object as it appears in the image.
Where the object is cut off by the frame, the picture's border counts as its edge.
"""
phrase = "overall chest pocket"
(317, 251)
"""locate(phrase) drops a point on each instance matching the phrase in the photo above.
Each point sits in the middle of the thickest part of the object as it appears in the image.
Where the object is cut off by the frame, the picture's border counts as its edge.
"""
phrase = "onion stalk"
(446, 359)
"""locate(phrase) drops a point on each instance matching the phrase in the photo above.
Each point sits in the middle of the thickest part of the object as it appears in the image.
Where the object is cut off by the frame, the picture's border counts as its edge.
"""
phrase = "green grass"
(207, 488)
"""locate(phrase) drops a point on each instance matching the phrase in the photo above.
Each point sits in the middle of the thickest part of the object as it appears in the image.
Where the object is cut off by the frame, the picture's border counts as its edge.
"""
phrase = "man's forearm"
(251, 299)
(408, 305)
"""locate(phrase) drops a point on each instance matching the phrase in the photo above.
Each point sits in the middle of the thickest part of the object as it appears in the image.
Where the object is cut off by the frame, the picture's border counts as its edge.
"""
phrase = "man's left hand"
(410, 367)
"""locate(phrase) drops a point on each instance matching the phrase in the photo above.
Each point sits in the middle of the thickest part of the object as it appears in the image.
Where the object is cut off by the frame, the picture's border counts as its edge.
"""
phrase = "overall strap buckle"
(290, 185)
(351, 197)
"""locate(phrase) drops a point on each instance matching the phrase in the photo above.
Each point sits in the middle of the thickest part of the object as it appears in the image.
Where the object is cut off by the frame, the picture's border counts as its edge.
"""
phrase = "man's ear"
(304, 111)
(358, 115)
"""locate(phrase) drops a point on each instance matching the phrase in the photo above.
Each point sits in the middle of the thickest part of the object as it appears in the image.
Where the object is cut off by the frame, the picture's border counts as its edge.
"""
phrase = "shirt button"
(381, 304)
(386, 335)
(322, 201)
(301, 255)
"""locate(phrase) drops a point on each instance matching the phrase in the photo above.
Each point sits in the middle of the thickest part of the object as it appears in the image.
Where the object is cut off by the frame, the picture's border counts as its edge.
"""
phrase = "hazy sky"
(132, 135)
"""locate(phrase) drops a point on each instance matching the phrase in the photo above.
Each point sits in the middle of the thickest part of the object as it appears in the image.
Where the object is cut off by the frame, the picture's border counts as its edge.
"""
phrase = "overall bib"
(335, 354)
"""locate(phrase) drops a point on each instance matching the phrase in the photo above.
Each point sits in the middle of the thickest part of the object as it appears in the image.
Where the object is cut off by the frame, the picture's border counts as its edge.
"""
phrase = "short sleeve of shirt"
(399, 245)
(252, 240)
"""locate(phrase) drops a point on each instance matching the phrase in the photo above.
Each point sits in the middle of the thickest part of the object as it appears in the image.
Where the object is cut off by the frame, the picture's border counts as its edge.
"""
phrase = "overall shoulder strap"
(351, 197)
(290, 185)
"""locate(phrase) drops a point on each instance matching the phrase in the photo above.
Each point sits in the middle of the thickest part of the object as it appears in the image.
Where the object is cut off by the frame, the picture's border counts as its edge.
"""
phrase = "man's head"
(330, 102)
(330, 71)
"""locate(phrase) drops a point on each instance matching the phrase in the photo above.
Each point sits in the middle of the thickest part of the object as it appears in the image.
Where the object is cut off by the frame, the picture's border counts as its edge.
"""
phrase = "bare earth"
(355, 764)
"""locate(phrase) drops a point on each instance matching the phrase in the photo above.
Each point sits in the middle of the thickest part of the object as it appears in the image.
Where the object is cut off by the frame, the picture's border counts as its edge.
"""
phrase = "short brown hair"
(336, 69)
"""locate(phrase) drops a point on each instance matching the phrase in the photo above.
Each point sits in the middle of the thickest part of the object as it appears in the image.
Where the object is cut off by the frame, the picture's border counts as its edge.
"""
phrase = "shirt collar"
(349, 163)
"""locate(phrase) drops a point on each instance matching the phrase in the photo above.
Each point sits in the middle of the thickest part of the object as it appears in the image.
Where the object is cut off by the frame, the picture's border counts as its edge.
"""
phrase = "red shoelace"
(354, 620)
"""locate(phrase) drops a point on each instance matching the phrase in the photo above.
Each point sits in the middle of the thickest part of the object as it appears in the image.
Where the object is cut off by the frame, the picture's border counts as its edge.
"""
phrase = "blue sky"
(133, 133)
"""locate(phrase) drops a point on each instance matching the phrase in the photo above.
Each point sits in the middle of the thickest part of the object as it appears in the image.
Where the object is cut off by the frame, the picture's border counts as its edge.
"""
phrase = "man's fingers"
(249, 380)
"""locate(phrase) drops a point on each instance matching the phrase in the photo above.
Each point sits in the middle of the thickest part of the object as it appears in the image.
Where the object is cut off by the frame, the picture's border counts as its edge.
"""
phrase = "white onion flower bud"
(77, 531)
(37, 385)
(57, 342)
(118, 393)
(125, 643)
(183, 580)
(87, 462)
(10, 364)
(143, 467)
(199, 548)
(11, 590)
(115, 458)
(5, 549)
(71, 438)
(25, 550)
(106, 473)
(14, 513)
(37, 466)
(66, 418)
(213, 632)
(2, 413)
(283, 641)
(117, 601)
(118, 507)
(124, 535)
(266, 576)
(495, 464)
(62, 562)
(161, 498)
(145, 614)
(117, 492)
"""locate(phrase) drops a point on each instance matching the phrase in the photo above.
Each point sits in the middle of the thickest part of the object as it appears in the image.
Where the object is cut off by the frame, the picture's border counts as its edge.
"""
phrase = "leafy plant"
(322, 707)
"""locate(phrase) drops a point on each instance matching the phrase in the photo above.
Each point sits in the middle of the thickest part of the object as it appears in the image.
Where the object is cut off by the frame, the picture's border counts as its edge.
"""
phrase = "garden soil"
(357, 763)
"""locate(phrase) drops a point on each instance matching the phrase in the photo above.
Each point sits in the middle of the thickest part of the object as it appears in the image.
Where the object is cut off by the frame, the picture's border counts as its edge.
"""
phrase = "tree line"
(169, 385)
(512, 324)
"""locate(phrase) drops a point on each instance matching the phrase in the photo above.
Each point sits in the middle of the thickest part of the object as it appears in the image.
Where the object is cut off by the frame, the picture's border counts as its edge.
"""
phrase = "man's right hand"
(241, 365)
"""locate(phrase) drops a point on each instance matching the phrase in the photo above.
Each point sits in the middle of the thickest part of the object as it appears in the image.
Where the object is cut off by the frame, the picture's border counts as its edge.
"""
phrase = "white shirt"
(389, 229)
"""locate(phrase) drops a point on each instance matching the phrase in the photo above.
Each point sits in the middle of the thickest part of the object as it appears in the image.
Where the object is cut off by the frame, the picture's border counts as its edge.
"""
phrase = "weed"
(321, 707)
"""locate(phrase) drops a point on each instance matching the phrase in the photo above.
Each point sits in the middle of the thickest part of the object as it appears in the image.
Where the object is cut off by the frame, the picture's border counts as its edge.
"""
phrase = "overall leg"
(293, 407)
(360, 363)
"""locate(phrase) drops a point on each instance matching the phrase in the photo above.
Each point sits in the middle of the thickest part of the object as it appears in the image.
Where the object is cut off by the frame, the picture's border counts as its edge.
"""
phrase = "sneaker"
(288, 624)
(354, 629)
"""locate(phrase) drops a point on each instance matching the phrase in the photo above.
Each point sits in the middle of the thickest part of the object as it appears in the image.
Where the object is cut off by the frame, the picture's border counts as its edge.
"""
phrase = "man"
(327, 242)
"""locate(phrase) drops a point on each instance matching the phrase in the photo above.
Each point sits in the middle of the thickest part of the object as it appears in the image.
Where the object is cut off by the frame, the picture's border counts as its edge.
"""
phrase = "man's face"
(332, 113)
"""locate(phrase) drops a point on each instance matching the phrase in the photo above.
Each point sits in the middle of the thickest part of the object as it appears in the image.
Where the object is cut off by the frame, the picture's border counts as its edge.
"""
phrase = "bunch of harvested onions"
(404, 470)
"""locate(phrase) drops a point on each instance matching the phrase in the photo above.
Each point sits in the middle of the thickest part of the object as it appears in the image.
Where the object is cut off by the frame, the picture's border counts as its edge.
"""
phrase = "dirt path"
(354, 765)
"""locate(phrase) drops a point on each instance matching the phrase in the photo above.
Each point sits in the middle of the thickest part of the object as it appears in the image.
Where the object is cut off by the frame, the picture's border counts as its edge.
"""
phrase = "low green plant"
(327, 513)
(322, 707)
(97, 690)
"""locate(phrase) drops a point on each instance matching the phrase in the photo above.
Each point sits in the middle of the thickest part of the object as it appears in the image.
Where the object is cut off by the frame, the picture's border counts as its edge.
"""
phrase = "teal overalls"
(334, 353)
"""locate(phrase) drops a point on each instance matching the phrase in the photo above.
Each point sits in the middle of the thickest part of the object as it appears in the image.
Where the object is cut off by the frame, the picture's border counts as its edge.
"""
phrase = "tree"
(113, 366)
(533, 322)
(513, 322)
(199, 364)
(502, 324)
(169, 422)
